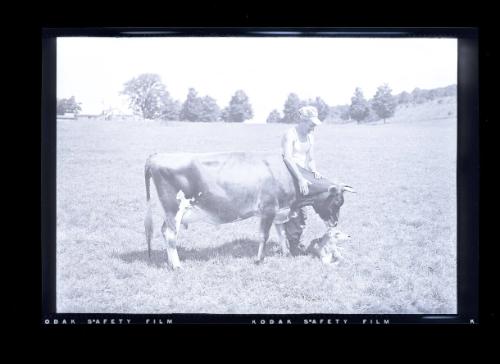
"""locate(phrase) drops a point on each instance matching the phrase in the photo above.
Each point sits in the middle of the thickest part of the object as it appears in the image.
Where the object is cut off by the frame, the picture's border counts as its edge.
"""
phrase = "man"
(298, 155)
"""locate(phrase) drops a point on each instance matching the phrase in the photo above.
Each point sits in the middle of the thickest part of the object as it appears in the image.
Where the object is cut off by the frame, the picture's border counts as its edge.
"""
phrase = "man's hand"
(317, 175)
(304, 186)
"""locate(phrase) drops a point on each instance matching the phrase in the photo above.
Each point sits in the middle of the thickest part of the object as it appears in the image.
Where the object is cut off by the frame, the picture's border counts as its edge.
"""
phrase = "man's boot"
(294, 228)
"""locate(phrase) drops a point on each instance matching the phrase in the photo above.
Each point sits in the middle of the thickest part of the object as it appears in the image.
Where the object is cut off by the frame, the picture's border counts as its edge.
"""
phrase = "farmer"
(298, 154)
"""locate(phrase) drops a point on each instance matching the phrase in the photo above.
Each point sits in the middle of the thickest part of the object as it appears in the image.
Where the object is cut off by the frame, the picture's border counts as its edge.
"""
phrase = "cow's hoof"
(258, 261)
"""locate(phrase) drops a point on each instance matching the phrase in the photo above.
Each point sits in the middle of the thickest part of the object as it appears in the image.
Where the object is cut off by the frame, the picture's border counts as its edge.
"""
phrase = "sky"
(94, 70)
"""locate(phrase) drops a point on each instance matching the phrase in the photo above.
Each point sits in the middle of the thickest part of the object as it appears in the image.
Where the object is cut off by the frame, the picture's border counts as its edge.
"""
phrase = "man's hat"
(309, 113)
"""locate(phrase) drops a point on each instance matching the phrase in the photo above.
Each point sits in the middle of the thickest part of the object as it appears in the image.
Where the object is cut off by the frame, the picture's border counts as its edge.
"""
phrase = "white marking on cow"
(171, 238)
(280, 229)
(189, 213)
(184, 205)
(173, 257)
(170, 235)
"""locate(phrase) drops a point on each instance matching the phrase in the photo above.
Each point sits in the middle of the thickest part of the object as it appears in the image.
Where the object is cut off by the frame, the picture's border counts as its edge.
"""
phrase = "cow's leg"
(169, 233)
(294, 229)
(280, 229)
(265, 226)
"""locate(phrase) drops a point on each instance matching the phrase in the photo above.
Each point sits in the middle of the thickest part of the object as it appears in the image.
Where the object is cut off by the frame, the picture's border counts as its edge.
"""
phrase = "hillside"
(442, 108)
(439, 108)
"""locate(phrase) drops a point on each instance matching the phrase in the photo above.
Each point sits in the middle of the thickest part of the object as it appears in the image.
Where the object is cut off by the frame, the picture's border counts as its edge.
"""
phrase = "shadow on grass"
(238, 248)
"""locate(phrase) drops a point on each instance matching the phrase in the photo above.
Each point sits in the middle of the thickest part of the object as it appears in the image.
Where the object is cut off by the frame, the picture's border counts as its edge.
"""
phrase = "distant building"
(67, 115)
(89, 116)
(117, 114)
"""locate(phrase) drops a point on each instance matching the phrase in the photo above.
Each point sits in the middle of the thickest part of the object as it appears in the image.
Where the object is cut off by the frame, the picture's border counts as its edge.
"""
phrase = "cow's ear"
(333, 189)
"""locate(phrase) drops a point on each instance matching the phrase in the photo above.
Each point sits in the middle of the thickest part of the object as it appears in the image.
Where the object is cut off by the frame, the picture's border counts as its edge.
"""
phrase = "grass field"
(401, 258)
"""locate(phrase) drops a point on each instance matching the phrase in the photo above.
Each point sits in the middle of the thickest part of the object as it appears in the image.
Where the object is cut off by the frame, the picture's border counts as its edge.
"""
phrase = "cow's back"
(236, 182)
(226, 167)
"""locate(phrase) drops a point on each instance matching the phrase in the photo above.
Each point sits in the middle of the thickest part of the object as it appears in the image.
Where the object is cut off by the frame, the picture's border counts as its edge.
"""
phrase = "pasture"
(401, 258)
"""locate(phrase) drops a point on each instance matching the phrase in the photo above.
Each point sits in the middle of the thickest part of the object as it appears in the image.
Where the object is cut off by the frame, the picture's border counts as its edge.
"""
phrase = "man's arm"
(287, 156)
(311, 162)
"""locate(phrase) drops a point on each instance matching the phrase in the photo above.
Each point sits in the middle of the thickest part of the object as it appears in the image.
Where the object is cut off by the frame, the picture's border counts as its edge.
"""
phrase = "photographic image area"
(256, 175)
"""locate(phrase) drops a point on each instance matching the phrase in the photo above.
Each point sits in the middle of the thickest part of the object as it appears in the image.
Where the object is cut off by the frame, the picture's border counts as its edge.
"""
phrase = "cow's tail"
(148, 220)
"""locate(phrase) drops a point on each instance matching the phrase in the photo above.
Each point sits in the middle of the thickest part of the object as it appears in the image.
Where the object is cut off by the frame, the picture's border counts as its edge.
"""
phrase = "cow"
(225, 187)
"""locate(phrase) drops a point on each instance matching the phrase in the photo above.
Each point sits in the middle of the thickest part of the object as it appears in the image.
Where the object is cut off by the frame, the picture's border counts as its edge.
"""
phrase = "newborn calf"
(325, 247)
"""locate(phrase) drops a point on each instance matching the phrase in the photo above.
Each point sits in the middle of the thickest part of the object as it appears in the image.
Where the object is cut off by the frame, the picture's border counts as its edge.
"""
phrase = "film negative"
(260, 176)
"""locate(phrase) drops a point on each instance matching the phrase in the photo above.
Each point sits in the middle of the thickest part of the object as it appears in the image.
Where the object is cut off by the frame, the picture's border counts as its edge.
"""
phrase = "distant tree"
(418, 96)
(359, 108)
(147, 95)
(372, 115)
(210, 111)
(239, 108)
(292, 106)
(321, 106)
(224, 114)
(384, 103)
(68, 106)
(431, 95)
(336, 114)
(197, 108)
(274, 117)
(192, 109)
(404, 98)
(171, 110)
(345, 114)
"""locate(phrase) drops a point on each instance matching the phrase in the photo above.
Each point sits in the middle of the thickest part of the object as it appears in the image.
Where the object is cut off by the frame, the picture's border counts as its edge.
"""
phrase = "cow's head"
(327, 206)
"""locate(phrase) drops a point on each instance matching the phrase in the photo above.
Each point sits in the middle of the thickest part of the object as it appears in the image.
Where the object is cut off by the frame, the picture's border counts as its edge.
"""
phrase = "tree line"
(148, 97)
(68, 106)
(364, 110)
(381, 106)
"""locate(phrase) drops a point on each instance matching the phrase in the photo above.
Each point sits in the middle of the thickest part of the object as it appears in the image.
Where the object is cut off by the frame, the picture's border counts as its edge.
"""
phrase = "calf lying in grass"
(325, 247)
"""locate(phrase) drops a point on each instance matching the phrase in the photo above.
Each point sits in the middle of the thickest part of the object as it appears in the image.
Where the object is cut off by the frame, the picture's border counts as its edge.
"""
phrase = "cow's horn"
(343, 187)
(348, 188)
